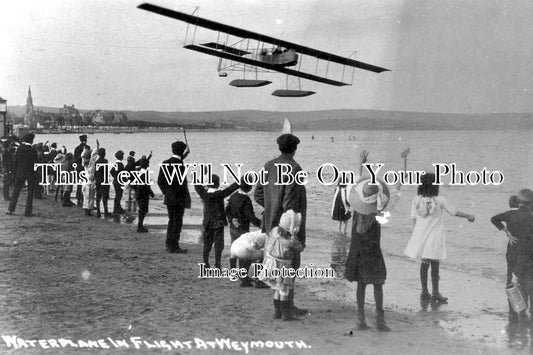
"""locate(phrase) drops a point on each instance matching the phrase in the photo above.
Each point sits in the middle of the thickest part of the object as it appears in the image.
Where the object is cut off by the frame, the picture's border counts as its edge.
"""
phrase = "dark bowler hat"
(83, 138)
(28, 138)
(525, 196)
(287, 143)
(178, 147)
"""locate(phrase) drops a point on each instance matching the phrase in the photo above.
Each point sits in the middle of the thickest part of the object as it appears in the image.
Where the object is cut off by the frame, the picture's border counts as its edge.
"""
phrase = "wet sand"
(71, 277)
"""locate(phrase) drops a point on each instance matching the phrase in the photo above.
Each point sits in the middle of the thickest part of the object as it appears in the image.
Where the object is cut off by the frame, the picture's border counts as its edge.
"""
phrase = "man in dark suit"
(102, 190)
(78, 151)
(177, 197)
(119, 166)
(23, 170)
(8, 161)
(277, 198)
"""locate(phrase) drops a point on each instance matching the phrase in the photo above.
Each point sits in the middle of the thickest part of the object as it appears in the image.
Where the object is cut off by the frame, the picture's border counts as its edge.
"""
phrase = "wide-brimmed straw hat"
(366, 198)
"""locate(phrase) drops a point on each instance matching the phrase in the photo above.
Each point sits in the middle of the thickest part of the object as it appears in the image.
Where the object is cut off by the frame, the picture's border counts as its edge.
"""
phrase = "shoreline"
(66, 276)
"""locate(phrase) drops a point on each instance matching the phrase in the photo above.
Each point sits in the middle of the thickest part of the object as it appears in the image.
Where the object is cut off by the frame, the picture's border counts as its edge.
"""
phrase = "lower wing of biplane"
(252, 53)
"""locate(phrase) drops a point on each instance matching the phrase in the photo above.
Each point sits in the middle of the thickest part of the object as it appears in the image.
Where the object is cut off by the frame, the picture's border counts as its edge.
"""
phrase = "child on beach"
(279, 248)
(88, 189)
(214, 218)
(67, 166)
(428, 240)
(520, 225)
(340, 211)
(511, 256)
(249, 246)
(143, 192)
(365, 263)
(240, 213)
(102, 190)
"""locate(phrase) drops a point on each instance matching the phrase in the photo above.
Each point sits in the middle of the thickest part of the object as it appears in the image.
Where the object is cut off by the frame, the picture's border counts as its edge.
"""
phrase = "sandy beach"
(83, 285)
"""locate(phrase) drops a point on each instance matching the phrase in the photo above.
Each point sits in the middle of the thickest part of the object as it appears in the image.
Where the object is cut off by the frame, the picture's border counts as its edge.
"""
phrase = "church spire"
(29, 101)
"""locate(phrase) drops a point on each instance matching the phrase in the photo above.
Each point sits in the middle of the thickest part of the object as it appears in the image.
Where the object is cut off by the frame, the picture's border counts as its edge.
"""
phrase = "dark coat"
(99, 175)
(214, 214)
(25, 158)
(50, 156)
(119, 166)
(8, 159)
(240, 207)
(176, 194)
(277, 199)
(78, 151)
(512, 222)
(365, 261)
(521, 226)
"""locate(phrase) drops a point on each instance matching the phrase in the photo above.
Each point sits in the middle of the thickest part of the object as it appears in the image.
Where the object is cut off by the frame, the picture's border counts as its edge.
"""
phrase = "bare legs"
(380, 313)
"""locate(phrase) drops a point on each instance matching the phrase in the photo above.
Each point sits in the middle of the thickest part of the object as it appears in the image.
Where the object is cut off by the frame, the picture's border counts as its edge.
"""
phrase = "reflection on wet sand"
(518, 337)
(339, 253)
(425, 304)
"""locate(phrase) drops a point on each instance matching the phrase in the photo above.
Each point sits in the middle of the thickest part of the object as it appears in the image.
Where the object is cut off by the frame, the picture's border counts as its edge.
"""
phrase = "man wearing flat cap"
(78, 151)
(278, 199)
(177, 197)
(25, 158)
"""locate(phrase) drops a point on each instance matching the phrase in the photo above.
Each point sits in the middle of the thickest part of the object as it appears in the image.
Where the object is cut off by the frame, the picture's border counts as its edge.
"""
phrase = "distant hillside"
(333, 119)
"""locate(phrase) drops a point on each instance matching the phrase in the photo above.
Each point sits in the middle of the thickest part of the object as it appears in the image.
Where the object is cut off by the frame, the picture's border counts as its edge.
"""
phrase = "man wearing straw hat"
(277, 198)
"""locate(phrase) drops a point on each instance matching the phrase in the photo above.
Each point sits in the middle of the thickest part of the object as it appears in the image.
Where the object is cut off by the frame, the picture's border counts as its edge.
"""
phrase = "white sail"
(287, 127)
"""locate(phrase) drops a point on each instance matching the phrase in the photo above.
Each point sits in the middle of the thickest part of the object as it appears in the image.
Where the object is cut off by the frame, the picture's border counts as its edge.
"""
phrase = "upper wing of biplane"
(283, 55)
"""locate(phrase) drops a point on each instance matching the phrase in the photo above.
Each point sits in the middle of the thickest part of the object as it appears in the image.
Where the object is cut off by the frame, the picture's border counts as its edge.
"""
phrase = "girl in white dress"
(428, 241)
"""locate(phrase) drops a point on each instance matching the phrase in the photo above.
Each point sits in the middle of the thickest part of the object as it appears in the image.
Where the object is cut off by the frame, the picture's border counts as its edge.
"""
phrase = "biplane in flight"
(252, 53)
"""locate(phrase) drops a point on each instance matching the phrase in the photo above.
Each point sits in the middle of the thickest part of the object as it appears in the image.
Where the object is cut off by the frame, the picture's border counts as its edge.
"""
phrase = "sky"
(449, 56)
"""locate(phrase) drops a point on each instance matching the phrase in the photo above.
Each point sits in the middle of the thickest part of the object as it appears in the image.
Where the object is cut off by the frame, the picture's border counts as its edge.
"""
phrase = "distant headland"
(310, 120)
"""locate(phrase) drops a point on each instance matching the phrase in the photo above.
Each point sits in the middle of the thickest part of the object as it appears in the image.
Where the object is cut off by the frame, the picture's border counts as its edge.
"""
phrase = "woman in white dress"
(428, 241)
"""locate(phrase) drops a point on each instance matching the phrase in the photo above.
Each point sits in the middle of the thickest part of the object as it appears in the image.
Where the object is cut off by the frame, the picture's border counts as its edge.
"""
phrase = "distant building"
(71, 115)
(98, 118)
(87, 118)
(119, 118)
(108, 118)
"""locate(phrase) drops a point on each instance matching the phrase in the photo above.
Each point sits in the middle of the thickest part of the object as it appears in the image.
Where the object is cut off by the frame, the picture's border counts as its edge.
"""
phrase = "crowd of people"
(282, 235)
(49, 171)
(365, 263)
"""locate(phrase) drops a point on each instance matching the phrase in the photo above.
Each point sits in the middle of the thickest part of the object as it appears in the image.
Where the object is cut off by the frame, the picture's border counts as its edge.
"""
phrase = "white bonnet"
(290, 221)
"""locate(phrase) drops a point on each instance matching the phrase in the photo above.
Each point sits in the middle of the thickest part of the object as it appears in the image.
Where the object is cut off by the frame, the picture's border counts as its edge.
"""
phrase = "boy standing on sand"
(117, 168)
(102, 190)
(214, 218)
(519, 230)
(143, 192)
